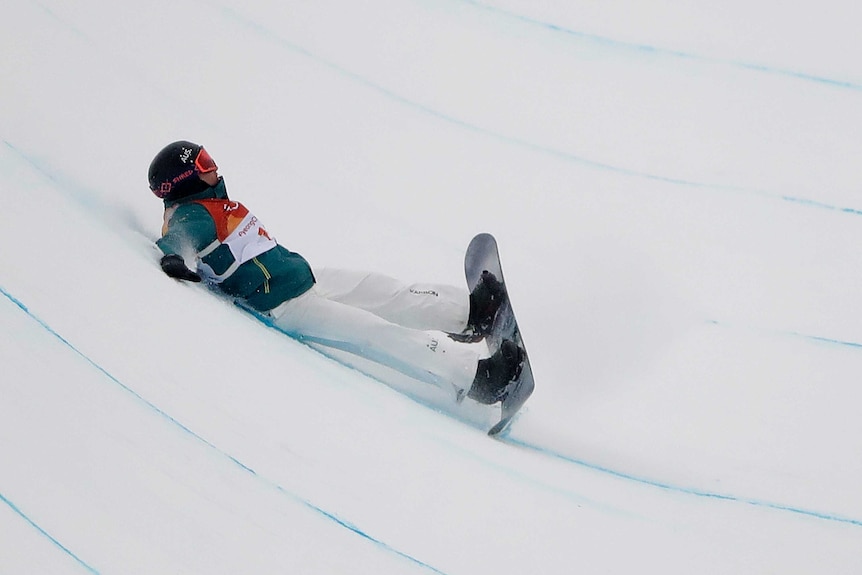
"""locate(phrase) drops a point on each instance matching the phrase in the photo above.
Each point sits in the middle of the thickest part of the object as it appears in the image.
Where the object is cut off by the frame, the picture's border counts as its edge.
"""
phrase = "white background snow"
(675, 187)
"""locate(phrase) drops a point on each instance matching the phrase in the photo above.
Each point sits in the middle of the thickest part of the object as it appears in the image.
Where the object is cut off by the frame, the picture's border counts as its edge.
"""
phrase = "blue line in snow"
(50, 330)
(698, 492)
(539, 148)
(508, 438)
(232, 459)
(363, 534)
(828, 340)
(822, 205)
(808, 336)
(686, 490)
(36, 526)
(650, 49)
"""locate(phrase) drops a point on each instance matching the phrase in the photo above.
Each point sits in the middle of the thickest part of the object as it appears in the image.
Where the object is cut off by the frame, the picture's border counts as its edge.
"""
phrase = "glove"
(175, 266)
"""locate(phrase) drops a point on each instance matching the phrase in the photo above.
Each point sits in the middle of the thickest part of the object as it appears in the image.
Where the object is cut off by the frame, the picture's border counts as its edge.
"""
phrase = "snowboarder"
(377, 317)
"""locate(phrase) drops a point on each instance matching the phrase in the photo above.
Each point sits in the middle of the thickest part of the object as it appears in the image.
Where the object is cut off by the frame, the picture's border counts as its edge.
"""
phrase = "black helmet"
(173, 172)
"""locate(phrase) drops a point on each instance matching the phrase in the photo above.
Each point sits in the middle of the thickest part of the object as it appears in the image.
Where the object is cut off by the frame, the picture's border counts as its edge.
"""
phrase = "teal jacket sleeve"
(188, 228)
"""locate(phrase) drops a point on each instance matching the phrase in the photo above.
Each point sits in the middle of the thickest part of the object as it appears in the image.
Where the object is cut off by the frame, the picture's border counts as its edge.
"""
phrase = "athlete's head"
(181, 169)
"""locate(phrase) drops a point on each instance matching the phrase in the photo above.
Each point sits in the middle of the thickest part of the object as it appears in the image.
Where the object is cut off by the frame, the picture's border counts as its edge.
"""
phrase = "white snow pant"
(381, 319)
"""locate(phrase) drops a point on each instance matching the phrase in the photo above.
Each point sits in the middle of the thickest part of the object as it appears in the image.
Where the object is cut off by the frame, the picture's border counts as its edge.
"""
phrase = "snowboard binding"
(486, 299)
(495, 374)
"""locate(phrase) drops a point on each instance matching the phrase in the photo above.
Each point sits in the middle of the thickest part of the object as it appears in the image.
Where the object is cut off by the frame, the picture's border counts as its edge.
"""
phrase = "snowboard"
(482, 254)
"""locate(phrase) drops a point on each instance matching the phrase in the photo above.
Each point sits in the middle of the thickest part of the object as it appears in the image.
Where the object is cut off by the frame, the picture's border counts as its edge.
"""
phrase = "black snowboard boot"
(494, 374)
(485, 299)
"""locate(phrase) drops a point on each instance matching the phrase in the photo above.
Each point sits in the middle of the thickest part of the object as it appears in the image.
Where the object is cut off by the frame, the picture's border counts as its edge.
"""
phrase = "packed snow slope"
(675, 188)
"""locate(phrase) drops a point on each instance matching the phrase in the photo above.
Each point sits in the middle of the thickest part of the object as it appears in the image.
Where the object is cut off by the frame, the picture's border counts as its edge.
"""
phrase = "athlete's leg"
(427, 356)
(419, 306)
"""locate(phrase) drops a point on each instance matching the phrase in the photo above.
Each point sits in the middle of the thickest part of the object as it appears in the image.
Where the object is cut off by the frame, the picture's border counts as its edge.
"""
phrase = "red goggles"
(204, 163)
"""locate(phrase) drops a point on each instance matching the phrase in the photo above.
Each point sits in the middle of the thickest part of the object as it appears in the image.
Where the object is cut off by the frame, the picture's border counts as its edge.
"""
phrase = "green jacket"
(262, 282)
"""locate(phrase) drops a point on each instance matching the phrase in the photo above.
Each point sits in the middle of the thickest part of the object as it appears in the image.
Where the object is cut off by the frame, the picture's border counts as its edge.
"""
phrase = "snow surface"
(675, 187)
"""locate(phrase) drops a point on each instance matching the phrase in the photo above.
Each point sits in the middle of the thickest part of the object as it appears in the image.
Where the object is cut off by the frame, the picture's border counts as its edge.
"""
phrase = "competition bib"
(239, 230)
